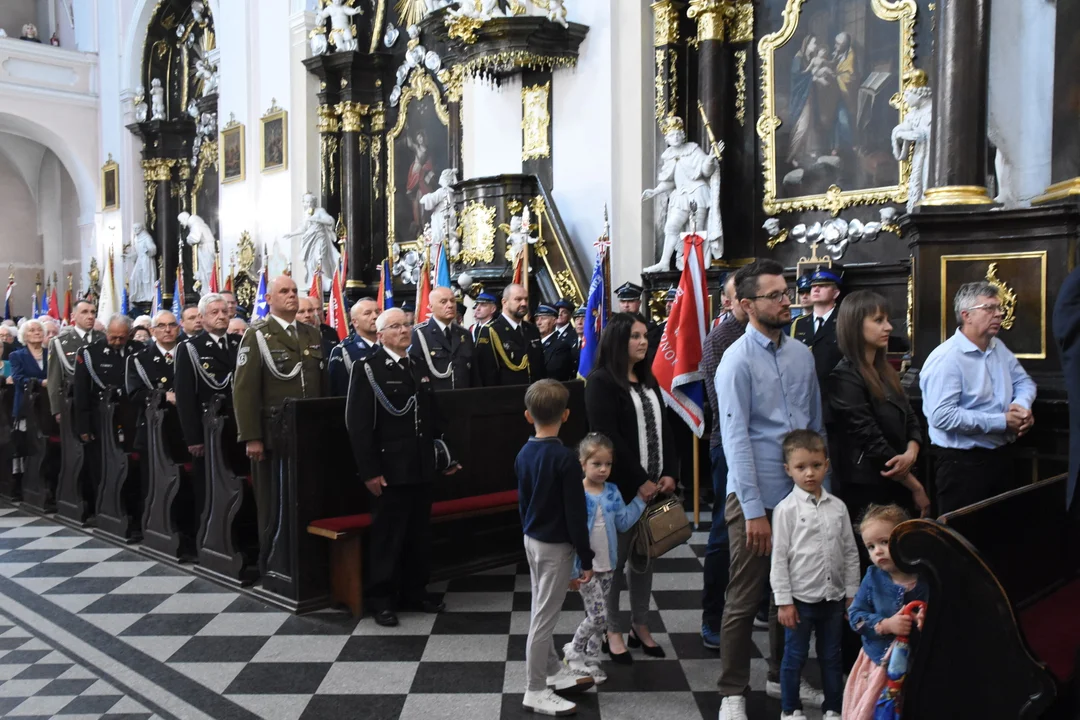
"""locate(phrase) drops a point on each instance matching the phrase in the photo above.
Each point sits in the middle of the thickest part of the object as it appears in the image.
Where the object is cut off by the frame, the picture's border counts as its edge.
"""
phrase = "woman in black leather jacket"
(877, 432)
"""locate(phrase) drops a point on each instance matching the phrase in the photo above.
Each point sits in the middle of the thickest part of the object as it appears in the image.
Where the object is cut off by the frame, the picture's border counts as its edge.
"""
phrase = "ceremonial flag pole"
(67, 301)
(7, 294)
(336, 315)
(597, 306)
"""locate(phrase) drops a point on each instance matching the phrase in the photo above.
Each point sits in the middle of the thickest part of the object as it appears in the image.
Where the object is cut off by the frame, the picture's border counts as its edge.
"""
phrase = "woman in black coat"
(877, 433)
(623, 402)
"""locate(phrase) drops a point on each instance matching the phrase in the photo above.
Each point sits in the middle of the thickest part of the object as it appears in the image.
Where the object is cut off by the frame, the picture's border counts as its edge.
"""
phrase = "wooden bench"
(1002, 629)
(346, 552)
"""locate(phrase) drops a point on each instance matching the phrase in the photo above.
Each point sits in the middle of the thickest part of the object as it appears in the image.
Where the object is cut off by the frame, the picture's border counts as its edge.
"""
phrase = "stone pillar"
(958, 143)
(161, 212)
(329, 160)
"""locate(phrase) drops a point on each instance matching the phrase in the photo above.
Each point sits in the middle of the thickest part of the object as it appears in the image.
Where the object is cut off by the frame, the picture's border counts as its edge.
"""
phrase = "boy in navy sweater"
(553, 516)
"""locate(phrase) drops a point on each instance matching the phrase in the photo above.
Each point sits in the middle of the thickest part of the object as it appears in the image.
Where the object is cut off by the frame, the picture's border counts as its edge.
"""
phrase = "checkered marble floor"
(91, 630)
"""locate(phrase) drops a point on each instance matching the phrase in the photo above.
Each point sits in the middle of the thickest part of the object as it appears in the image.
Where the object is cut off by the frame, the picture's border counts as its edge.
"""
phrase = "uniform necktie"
(446, 332)
(291, 330)
(820, 323)
(221, 344)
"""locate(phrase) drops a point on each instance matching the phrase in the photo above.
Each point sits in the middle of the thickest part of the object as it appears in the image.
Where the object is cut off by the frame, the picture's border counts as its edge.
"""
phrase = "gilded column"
(329, 159)
(672, 81)
(355, 216)
(162, 208)
(958, 142)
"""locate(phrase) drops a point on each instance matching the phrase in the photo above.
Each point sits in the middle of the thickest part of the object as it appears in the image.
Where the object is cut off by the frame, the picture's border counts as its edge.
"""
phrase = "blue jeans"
(717, 554)
(826, 620)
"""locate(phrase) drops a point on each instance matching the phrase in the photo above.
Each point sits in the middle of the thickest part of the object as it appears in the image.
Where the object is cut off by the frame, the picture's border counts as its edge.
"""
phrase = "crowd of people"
(812, 436)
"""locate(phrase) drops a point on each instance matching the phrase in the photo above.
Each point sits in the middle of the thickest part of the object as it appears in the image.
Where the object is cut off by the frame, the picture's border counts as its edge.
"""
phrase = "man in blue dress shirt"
(977, 399)
(766, 386)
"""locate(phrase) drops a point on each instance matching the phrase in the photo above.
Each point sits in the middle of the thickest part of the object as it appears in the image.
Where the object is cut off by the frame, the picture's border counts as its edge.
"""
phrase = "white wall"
(16, 13)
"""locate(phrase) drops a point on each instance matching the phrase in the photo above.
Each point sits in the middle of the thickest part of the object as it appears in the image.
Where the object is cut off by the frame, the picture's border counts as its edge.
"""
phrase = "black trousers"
(398, 564)
(965, 477)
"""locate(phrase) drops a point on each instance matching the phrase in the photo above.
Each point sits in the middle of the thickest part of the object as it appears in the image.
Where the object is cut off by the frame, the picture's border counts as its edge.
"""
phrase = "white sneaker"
(580, 662)
(808, 694)
(546, 702)
(832, 715)
(795, 715)
(733, 708)
(570, 680)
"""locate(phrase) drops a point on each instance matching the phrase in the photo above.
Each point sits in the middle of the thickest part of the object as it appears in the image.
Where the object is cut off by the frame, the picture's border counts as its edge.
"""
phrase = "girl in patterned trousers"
(607, 515)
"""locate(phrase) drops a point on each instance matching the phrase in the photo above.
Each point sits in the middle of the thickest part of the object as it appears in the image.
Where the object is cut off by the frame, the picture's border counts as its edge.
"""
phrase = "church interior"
(153, 152)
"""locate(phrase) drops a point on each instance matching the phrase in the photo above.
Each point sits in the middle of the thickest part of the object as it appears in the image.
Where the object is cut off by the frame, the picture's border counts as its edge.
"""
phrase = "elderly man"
(395, 453)
(9, 343)
(509, 350)
(977, 399)
(278, 358)
(329, 334)
(357, 346)
(444, 346)
(190, 322)
(558, 353)
(237, 326)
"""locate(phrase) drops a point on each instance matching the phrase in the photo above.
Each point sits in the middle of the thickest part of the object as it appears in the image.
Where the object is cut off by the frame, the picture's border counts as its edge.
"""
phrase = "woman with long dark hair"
(876, 429)
(623, 402)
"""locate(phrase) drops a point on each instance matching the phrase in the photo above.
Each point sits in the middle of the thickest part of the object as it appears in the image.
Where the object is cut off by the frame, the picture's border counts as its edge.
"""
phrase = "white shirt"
(513, 323)
(393, 355)
(441, 324)
(599, 543)
(814, 557)
(286, 325)
(823, 318)
(163, 351)
(215, 338)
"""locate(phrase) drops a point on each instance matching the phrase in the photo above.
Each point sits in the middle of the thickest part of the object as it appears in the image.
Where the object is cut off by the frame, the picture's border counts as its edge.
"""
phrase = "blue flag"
(44, 303)
(261, 306)
(176, 309)
(124, 301)
(596, 313)
(442, 268)
(386, 286)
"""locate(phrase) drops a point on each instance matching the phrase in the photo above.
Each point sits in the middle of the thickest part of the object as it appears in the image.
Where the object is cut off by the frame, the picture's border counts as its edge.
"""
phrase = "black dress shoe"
(651, 650)
(622, 658)
(431, 606)
(386, 618)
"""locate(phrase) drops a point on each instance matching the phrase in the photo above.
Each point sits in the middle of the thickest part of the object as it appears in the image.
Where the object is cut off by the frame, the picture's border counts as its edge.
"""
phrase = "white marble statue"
(440, 204)
(138, 104)
(341, 34)
(476, 9)
(520, 236)
(157, 100)
(204, 249)
(557, 12)
(318, 241)
(205, 70)
(688, 175)
(144, 269)
(433, 5)
(198, 11)
(914, 132)
(317, 41)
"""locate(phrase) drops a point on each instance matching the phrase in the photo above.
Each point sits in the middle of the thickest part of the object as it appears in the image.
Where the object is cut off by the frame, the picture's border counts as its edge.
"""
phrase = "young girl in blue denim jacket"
(607, 515)
(875, 612)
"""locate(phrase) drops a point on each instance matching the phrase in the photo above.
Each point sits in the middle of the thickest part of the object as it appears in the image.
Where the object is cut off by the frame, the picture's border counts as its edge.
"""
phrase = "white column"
(304, 141)
(50, 225)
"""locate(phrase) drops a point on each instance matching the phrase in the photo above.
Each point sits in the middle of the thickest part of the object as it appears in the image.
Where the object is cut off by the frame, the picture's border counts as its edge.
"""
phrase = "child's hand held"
(586, 576)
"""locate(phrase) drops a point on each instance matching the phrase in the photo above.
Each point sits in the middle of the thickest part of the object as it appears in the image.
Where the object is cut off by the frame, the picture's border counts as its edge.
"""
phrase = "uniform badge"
(432, 353)
(206, 366)
(306, 351)
(164, 379)
(242, 358)
(168, 359)
(320, 364)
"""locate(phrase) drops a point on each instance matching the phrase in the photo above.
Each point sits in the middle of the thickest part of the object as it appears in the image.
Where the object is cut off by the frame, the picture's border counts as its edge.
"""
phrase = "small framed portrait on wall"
(110, 185)
(274, 139)
(232, 152)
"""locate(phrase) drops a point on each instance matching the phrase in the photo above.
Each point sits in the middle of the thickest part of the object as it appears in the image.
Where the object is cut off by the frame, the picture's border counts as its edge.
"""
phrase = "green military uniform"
(272, 365)
(61, 371)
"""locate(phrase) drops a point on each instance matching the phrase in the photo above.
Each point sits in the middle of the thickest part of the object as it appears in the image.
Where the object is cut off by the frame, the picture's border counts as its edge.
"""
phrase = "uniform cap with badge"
(628, 291)
(827, 276)
(546, 310)
(486, 297)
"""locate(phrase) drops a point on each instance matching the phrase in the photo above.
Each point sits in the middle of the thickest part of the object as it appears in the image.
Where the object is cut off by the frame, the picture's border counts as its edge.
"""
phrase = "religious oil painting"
(831, 89)
(275, 141)
(232, 153)
(419, 150)
(110, 185)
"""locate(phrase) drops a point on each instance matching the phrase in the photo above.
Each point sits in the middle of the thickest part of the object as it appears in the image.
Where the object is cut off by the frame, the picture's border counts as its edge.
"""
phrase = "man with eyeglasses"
(977, 399)
(766, 386)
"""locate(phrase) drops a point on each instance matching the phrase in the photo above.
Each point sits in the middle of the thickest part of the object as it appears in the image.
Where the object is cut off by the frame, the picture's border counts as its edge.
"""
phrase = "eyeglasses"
(992, 308)
(167, 326)
(395, 326)
(775, 296)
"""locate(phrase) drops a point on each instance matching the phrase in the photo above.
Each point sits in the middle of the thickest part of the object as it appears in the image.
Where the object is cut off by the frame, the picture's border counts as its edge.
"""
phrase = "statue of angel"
(144, 269)
(557, 12)
(205, 69)
(138, 104)
(341, 34)
(318, 241)
(204, 249)
(157, 100)
(519, 236)
(440, 203)
(476, 9)
(913, 135)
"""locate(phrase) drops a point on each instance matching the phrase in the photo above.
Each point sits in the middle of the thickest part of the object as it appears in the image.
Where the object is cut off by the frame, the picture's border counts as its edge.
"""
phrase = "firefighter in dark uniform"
(278, 358)
(579, 334)
(564, 324)
(558, 353)
(817, 328)
(629, 297)
(357, 346)
(99, 368)
(802, 304)
(394, 427)
(151, 368)
(509, 350)
(445, 348)
(483, 313)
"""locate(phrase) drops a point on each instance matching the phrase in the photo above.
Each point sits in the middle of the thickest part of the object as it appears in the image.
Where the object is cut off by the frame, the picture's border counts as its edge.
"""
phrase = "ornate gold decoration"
(661, 87)
(208, 157)
(328, 120)
(351, 116)
(711, 16)
(917, 78)
(376, 159)
(777, 240)
(665, 23)
(453, 81)
(245, 258)
(158, 169)
(151, 201)
(510, 60)
(1005, 293)
(902, 12)
(477, 227)
(564, 284)
(420, 85)
(514, 207)
(378, 117)
(956, 195)
(911, 308)
(518, 8)
(672, 123)
(463, 28)
(656, 305)
(328, 166)
(1059, 191)
(742, 28)
(535, 121)
(740, 86)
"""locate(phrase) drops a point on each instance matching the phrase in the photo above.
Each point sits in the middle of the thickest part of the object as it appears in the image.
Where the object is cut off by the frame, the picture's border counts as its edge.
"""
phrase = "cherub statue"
(476, 9)
(138, 104)
(198, 11)
(204, 248)
(912, 135)
(557, 12)
(193, 110)
(415, 55)
(341, 34)
(519, 236)
(440, 203)
(317, 40)
(144, 269)
(691, 179)
(205, 69)
(318, 241)
(157, 100)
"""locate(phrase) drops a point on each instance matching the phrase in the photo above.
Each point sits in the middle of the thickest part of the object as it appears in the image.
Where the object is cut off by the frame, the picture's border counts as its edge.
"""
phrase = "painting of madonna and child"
(833, 83)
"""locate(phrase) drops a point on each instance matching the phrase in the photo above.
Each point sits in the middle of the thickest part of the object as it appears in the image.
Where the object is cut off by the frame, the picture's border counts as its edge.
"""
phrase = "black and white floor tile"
(91, 630)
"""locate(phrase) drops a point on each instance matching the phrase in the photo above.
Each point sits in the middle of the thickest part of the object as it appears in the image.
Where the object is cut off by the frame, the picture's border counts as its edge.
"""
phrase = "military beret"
(628, 291)
(827, 276)
(546, 310)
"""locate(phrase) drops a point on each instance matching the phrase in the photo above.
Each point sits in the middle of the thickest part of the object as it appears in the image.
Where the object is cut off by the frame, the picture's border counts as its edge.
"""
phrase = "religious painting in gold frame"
(418, 150)
(110, 185)
(832, 90)
(232, 162)
(274, 140)
(1021, 281)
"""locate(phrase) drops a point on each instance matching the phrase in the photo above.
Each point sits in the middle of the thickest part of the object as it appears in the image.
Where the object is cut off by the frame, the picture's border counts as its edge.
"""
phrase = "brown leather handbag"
(662, 527)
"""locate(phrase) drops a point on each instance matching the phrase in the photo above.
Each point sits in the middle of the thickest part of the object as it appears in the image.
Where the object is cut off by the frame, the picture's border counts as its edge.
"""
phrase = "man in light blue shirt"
(977, 399)
(766, 386)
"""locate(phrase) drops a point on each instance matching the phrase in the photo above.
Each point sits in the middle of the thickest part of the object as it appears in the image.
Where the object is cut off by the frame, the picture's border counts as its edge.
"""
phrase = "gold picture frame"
(110, 185)
(835, 199)
(274, 139)
(233, 150)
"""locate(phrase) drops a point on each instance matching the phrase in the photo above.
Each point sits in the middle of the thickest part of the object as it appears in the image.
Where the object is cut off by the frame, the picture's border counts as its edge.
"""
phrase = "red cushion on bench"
(54, 439)
(476, 502)
(186, 467)
(345, 523)
(1052, 629)
(134, 457)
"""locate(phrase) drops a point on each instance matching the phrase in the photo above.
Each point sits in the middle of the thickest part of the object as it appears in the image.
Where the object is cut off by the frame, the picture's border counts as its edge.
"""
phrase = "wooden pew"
(119, 467)
(221, 542)
(161, 536)
(1002, 630)
(8, 489)
(69, 499)
(42, 451)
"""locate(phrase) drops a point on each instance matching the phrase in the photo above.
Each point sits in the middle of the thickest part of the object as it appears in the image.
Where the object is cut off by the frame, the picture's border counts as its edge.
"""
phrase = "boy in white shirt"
(815, 573)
